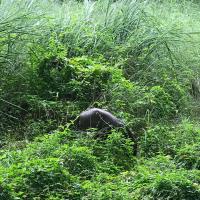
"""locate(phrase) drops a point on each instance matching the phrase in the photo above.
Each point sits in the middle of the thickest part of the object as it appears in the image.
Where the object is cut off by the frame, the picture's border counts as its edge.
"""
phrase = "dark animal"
(103, 121)
(98, 118)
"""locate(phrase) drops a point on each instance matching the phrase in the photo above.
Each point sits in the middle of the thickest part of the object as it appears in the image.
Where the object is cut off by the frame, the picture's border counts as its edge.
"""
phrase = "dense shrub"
(162, 105)
(120, 150)
(79, 160)
(189, 157)
(91, 79)
(167, 139)
(115, 153)
(40, 178)
(74, 165)
(150, 102)
(158, 178)
(156, 140)
(79, 79)
(106, 186)
(56, 76)
(173, 186)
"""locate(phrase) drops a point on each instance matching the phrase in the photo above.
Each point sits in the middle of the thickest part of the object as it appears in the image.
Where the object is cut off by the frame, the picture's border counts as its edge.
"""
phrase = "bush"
(189, 157)
(40, 178)
(158, 178)
(173, 186)
(150, 103)
(114, 154)
(80, 79)
(79, 160)
(120, 150)
(74, 165)
(168, 139)
(71, 79)
(91, 81)
(157, 140)
(106, 186)
(161, 103)
(49, 111)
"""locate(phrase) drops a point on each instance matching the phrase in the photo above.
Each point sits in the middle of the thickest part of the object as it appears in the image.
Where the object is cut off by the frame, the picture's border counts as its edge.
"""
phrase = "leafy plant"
(40, 178)
(78, 160)
(188, 157)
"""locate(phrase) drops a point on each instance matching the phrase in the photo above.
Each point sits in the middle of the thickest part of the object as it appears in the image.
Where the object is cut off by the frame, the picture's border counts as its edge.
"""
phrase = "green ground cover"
(138, 59)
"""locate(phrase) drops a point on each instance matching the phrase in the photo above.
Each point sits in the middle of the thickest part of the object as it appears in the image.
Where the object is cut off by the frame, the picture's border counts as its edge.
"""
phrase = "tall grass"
(147, 33)
(18, 25)
(126, 26)
(120, 29)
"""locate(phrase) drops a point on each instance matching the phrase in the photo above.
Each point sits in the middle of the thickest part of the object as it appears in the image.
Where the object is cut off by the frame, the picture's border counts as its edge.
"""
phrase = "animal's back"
(98, 118)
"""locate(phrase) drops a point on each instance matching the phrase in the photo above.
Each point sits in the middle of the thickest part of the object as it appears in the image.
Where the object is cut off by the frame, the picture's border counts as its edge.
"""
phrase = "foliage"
(40, 178)
(79, 160)
(86, 168)
(5, 193)
(135, 58)
(168, 140)
(188, 157)
(159, 179)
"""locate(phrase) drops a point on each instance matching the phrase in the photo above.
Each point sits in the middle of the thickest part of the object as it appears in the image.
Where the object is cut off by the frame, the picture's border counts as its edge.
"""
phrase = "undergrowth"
(137, 59)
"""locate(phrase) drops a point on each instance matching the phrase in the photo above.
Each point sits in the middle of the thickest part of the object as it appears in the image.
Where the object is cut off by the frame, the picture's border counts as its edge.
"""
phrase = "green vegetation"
(139, 59)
